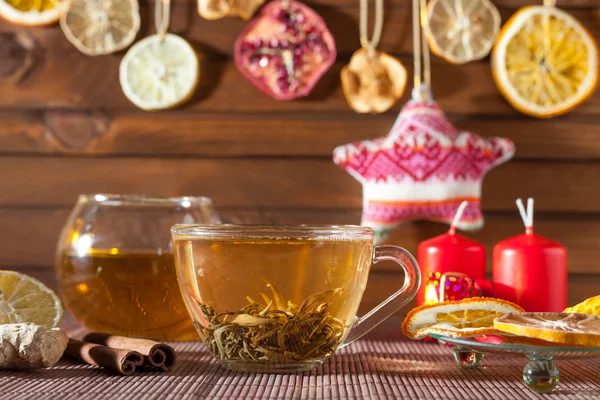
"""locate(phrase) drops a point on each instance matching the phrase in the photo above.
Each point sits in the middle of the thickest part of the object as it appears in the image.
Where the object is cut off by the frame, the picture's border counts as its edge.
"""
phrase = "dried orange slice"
(565, 328)
(101, 27)
(545, 62)
(590, 306)
(31, 12)
(462, 30)
(469, 317)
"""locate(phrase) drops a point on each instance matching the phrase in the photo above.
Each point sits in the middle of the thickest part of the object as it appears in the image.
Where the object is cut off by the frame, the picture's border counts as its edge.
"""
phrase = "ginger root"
(26, 346)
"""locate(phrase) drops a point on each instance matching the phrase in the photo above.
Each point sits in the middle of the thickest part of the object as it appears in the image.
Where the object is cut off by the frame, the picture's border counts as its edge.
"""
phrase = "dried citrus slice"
(565, 328)
(31, 12)
(462, 30)
(469, 317)
(216, 9)
(373, 83)
(590, 306)
(25, 299)
(545, 62)
(98, 27)
(159, 73)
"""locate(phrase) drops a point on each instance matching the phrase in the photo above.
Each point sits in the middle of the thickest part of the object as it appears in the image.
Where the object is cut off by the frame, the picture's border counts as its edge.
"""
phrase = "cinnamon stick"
(120, 361)
(156, 355)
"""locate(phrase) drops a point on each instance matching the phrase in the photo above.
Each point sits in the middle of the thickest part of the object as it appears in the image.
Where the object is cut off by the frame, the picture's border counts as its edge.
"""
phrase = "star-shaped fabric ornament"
(423, 169)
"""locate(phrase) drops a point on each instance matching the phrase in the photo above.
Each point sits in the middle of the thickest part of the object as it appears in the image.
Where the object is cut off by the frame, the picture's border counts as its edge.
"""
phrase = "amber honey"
(125, 292)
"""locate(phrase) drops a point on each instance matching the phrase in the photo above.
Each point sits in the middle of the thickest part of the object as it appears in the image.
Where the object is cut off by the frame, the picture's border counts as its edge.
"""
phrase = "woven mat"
(384, 366)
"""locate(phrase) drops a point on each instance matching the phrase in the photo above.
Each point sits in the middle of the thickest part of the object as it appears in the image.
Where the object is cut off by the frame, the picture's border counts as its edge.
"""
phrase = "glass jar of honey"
(115, 266)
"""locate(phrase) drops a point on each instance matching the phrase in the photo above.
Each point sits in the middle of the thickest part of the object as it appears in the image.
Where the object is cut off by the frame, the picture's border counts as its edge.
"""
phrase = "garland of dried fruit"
(373, 81)
(555, 72)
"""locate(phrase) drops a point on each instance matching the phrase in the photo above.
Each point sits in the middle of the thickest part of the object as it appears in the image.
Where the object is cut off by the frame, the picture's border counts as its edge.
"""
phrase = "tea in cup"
(282, 299)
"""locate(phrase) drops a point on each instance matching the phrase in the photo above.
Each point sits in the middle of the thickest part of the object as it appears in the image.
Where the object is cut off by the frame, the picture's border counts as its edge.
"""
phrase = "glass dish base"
(540, 373)
(267, 368)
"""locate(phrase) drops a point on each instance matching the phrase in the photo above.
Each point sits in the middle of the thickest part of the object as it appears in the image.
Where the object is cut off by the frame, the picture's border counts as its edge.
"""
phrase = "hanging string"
(162, 17)
(422, 63)
(370, 45)
(549, 3)
(426, 57)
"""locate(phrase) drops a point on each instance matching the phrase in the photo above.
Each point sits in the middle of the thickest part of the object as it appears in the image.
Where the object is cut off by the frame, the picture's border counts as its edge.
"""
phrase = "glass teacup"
(282, 298)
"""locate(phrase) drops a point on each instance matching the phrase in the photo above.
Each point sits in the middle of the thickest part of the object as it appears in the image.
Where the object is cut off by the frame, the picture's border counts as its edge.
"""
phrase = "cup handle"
(412, 281)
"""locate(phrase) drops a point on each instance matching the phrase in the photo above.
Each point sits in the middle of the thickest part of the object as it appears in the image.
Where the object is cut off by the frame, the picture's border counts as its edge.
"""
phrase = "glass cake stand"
(540, 373)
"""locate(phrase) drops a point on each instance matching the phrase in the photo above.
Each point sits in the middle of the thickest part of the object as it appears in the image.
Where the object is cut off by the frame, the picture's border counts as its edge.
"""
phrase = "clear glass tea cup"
(282, 298)
(115, 267)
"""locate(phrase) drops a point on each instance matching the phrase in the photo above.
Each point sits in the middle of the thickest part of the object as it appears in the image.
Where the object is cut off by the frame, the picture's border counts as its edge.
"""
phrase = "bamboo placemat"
(382, 366)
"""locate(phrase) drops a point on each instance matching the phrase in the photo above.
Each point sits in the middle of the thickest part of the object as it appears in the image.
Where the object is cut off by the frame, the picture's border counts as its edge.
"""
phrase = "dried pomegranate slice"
(285, 50)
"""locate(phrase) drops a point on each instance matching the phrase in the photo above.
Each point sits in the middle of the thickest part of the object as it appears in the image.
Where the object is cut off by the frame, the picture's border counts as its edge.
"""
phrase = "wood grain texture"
(217, 38)
(273, 182)
(45, 71)
(580, 234)
(188, 134)
(466, 89)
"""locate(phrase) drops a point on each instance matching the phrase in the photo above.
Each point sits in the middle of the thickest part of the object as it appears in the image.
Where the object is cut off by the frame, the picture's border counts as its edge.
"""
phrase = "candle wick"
(526, 215)
(458, 216)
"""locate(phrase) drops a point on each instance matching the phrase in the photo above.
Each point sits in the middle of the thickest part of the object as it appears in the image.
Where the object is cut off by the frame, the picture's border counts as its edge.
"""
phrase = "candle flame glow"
(431, 294)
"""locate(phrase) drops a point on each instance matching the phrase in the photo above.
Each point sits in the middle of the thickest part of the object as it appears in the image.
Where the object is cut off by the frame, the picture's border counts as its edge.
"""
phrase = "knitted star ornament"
(423, 169)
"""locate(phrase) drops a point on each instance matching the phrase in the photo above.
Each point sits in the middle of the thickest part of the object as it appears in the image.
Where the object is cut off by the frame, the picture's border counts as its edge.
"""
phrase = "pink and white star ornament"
(423, 169)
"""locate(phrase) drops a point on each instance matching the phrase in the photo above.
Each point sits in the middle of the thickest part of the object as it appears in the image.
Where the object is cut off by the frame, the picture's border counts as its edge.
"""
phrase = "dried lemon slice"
(462, 30)
(469, 317)
(545, 62)
(590, 306)
(98, 27)
(31, 12)
(565, 328)
(25, 299)
(159, 73)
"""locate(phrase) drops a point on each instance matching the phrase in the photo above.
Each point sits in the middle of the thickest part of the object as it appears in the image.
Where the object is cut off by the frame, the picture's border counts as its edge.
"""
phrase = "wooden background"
(66, 128)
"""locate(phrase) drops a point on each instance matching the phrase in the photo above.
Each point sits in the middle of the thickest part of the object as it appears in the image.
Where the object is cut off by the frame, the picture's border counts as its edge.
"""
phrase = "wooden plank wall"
(66, 128)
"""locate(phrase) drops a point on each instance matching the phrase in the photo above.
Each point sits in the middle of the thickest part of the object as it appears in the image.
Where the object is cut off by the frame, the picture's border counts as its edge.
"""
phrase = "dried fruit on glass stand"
(216, 9)
(545, 62)
(462, 30)
(590, 306)
(31, 12)
(565, 328)
(469, 317)
(285, 50)
(101, 27)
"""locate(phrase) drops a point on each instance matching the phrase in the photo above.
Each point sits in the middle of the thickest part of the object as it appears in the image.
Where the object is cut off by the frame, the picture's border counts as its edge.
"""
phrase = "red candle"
(449, 252)
(531, 270)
